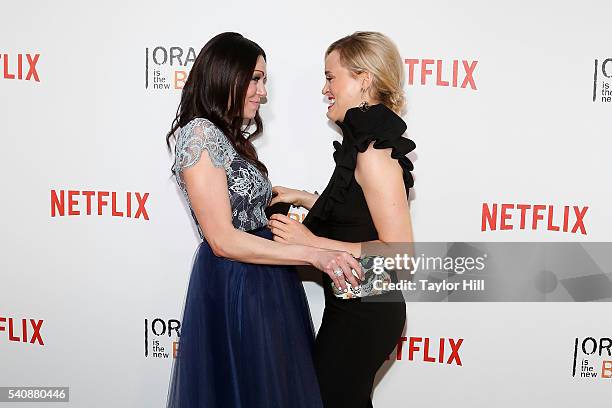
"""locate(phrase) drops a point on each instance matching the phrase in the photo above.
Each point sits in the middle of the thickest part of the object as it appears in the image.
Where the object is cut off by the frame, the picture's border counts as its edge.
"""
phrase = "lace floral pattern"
(249, 190)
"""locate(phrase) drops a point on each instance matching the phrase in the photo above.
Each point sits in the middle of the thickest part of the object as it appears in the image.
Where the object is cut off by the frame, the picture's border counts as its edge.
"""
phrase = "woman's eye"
(255, 79)
(328, 78)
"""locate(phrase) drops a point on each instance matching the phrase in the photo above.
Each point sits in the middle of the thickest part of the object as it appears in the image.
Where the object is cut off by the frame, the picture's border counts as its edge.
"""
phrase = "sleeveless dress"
(246, 336)
(356, 335)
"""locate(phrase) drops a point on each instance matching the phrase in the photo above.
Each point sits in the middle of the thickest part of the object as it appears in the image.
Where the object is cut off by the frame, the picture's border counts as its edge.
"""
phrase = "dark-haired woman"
(246, 335)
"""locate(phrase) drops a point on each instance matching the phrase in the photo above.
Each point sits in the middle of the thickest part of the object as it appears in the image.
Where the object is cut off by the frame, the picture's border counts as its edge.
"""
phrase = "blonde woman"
(366, 200)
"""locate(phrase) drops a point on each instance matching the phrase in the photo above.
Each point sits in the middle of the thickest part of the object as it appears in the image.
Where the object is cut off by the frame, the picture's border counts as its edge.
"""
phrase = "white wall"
(530, 134)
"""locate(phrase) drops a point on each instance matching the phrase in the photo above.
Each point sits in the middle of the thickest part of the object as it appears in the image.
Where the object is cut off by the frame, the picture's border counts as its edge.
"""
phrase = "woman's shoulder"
(202, 134)
(203, 131)
(373, 129)
(377, 124)
(377, 127)
(199, 126)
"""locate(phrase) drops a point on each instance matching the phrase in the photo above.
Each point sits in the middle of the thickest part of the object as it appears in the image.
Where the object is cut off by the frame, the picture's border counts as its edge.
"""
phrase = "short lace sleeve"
(198, 135)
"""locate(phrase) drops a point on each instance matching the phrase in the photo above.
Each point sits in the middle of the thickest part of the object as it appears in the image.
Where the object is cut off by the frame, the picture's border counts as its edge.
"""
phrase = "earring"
(364, 106)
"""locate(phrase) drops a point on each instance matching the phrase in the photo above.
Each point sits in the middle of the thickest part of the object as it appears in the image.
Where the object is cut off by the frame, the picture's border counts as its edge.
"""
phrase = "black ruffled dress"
(356, 335)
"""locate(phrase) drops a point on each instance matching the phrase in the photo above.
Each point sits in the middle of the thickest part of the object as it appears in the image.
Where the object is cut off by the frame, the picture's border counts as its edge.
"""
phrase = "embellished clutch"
(376, 280)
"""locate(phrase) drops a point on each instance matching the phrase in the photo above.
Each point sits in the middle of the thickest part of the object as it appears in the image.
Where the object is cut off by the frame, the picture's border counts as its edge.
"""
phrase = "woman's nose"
(262, 91)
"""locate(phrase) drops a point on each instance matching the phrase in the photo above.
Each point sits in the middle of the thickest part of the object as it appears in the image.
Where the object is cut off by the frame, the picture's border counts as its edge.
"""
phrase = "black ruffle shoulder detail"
(379, 125)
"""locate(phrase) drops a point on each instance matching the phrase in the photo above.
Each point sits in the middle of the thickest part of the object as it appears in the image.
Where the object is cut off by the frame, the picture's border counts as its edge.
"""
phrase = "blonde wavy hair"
(373, 52)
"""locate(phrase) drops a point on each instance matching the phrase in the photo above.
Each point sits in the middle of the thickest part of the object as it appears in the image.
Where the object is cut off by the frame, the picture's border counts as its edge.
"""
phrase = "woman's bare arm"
(381, 179)
(208, 193)
(298, 198)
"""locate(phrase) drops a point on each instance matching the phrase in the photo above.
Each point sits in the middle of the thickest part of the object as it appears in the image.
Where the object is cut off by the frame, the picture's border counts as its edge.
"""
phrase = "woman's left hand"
(289, 231)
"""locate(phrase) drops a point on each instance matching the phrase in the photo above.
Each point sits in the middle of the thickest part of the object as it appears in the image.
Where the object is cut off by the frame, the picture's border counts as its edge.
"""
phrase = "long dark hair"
(216, 88)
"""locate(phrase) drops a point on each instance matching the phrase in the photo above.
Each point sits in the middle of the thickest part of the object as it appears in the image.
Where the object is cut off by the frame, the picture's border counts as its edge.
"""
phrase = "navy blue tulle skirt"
(246, 337)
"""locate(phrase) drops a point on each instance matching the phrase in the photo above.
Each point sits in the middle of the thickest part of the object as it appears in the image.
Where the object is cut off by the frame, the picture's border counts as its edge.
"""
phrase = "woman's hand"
(298, 198)
(289, 231)
(339, 266)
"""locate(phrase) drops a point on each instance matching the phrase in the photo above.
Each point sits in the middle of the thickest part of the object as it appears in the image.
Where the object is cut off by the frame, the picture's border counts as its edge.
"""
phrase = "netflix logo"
(22, 330)
(455, 73)
(534, 217)
(440, 351)
(20, 67)
(90, 202)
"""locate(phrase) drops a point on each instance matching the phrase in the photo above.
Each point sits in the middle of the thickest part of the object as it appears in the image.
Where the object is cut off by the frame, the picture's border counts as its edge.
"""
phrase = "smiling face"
(256, 90)
(343, 88)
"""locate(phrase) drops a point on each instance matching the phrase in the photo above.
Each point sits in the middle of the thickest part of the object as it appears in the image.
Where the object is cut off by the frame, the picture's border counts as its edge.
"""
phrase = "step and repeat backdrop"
(510, 106)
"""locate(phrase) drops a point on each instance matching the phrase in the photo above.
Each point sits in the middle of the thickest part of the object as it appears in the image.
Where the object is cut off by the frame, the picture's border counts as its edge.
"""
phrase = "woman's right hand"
(331, 262)
(298, 198)
(282, 194)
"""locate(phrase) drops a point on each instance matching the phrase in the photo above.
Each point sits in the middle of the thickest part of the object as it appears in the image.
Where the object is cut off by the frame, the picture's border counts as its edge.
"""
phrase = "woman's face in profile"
(342, 88)
(256, 90)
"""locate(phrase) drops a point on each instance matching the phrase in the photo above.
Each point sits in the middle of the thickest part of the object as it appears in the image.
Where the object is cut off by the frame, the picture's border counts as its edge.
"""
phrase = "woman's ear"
(366, 81)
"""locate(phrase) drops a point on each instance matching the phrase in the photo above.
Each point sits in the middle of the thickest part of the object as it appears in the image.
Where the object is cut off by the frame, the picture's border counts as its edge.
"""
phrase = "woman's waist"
(263, 232)
(348, 233)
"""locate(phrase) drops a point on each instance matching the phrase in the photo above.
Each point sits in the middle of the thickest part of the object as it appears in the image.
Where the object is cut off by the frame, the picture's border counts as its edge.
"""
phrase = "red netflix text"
(22, 330)
(460, 74)
(441, 351)
(534, 217)
(20, 67)
(89, 202)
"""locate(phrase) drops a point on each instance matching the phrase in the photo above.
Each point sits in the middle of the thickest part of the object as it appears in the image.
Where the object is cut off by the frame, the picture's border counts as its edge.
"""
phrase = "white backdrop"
(90, 119)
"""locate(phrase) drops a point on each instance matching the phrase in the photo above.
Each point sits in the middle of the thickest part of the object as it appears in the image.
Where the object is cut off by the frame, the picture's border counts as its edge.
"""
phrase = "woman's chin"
(249, 115)
(331, 115)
